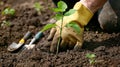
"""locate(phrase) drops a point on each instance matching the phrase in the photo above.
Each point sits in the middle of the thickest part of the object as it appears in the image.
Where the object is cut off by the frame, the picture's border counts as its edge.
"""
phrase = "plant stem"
(60, 38)
(59, 42)
(61, 25)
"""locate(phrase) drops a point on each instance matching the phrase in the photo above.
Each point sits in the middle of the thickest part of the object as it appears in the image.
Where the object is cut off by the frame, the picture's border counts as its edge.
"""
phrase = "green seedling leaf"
(48, 26)
(37, 6)
(58, 16)
(90, 56)
(8, 11)
(74, 25)
(61, 7)
(57, 10)
(91, 61)
(71, 11)
(6, 23)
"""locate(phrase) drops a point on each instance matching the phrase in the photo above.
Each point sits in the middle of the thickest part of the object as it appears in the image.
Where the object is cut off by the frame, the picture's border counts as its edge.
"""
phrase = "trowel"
(14, 46)
(38, 36)
(31, 45)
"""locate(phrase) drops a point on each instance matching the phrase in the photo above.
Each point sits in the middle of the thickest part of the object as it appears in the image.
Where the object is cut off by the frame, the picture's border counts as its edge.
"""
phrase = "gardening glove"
(70, 38)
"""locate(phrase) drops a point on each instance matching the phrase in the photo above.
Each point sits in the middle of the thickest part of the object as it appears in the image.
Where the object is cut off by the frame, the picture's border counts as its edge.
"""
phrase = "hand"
(70, 38)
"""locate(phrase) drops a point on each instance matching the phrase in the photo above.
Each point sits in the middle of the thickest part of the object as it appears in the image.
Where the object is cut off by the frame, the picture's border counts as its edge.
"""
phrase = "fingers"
(52, 32)
(53, 47)
(68, 40)
(78, 46)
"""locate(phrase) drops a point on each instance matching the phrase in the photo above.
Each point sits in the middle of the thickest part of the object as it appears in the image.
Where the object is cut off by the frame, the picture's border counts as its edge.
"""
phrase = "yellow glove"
(70, 38)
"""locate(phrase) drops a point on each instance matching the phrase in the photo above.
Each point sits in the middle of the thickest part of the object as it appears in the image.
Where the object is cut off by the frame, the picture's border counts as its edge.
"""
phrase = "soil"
(106, 46)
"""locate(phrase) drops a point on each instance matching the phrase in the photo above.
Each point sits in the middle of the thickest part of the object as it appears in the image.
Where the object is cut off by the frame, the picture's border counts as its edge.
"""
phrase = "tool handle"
(38, 35)
(27, 35)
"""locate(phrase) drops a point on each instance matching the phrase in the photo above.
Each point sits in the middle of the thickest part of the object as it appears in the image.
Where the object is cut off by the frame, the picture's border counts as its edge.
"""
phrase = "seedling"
(91, 58)
(5, 23)
(61, 8)
(8, 11)
(38, 7)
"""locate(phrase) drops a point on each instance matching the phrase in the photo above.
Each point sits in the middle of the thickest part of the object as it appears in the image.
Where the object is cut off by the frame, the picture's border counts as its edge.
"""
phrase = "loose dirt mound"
(106, 46)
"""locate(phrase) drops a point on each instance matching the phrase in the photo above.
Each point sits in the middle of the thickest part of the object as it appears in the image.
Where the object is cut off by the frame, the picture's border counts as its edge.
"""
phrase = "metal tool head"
(14, 46)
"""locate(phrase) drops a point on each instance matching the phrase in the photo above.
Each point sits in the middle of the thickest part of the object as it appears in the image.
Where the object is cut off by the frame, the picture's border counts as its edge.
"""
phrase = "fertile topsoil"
(106, 46)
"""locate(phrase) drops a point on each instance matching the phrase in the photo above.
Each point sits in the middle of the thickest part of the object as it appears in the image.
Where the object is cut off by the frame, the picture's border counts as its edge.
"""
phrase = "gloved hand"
(70, 38)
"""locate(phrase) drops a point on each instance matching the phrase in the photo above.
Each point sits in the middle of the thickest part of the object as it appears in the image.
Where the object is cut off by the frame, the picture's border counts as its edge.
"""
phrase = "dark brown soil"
(106, 46)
